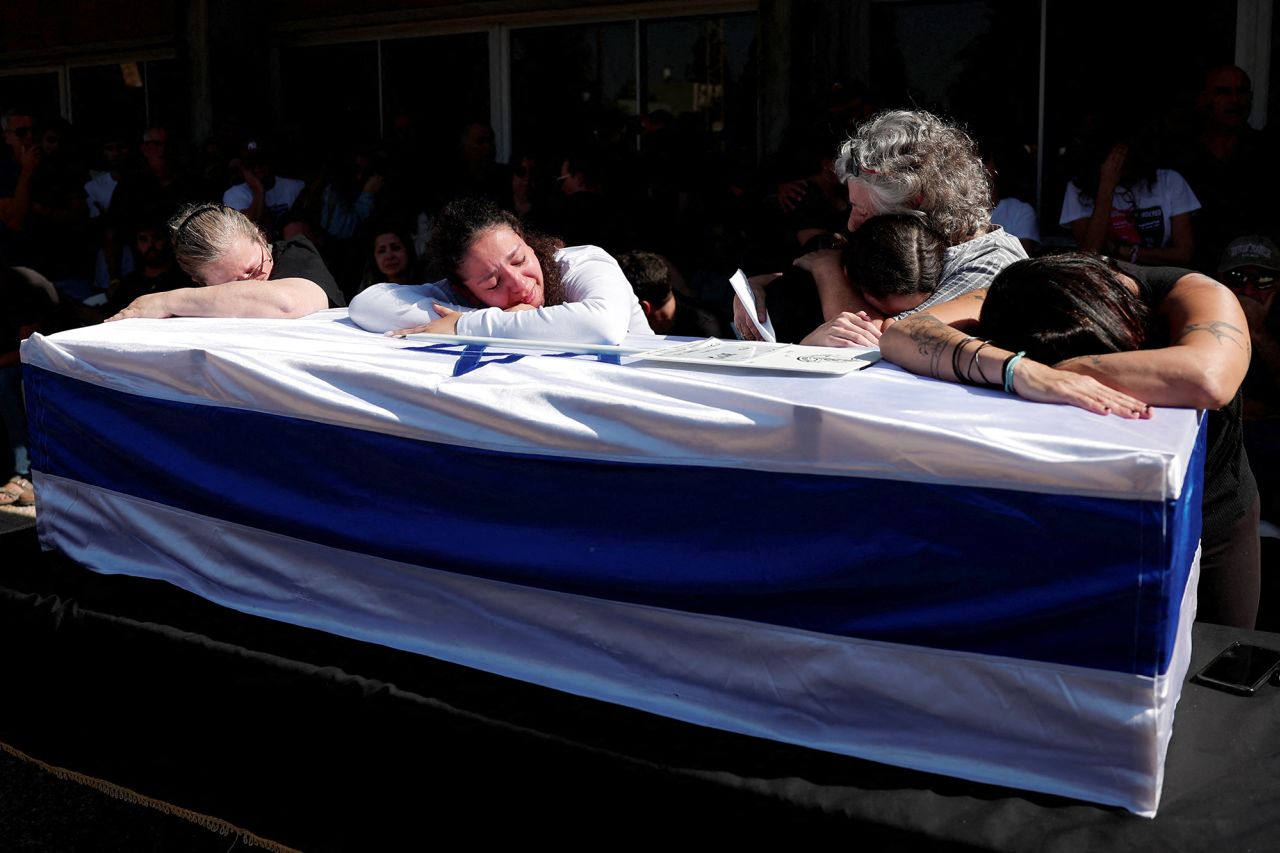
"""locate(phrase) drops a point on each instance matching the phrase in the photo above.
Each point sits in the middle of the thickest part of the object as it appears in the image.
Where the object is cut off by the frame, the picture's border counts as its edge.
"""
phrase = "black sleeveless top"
(1229, 487)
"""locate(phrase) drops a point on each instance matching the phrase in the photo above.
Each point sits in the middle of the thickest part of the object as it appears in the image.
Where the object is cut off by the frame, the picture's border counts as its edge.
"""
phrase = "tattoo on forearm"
(1220, 329)
(931, 337)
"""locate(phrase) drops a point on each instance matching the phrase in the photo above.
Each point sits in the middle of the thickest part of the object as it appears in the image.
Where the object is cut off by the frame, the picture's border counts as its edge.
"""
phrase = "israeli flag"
(924, 574)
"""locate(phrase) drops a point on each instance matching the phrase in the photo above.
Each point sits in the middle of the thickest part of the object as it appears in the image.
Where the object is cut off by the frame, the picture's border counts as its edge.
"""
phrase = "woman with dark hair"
(1064, 307)
(1119, 204)
(1113, 339)
(502, 281)
(391, 258)
(897, 260)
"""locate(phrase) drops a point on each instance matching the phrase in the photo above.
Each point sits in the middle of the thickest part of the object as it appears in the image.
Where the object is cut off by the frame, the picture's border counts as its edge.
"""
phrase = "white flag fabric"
(929, 575)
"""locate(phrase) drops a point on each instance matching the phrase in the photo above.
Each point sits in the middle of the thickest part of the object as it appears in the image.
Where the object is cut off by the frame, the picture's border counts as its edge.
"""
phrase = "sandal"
(19, 491)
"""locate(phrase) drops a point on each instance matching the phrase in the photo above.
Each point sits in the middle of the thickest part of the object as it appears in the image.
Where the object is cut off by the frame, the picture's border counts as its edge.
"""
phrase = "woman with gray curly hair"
(911, 160)
(908, 161)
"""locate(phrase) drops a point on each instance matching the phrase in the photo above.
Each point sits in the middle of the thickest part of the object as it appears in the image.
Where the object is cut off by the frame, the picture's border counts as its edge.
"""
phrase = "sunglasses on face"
(21, 132)
(1258, 281)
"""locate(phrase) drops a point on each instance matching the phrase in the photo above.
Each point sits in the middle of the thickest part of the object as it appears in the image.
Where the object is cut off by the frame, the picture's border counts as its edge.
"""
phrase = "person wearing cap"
(1250, 266)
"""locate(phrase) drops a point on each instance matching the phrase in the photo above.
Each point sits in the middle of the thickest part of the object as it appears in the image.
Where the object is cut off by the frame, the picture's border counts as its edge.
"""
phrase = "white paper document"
(748, 299)
(754, 355)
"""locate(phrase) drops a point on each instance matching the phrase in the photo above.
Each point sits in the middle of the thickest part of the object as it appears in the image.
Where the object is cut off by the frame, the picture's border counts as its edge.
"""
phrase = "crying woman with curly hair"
(501, 281)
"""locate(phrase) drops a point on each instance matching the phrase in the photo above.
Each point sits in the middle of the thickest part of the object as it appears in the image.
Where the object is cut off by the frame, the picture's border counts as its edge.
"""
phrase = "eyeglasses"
(1236, 279)
(857, 170)
(260, 272)
(22, 132)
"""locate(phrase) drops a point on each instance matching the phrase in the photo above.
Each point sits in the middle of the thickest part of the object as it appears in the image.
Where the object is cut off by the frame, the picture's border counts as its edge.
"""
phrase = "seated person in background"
(27, 302)
(262, 195)
(1119, 204)
(503, 282)
(1250, 267)
(296, 224)
(1231, 167)
(156, 270)
(391, 258)
(237, 272)
(668, 312)
(1009, 168)
(1113, 339)
(903, 161)
(588, 214)
(17, 179)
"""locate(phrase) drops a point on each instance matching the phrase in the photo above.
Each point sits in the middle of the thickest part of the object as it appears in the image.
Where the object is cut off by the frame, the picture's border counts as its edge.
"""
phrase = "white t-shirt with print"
(1139, 215)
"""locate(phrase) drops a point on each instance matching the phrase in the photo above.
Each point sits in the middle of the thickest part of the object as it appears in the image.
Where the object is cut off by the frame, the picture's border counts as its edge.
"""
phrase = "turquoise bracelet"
(1009, 364)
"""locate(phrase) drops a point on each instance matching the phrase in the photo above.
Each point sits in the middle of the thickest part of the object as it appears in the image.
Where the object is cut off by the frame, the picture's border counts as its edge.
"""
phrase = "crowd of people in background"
(89, 217)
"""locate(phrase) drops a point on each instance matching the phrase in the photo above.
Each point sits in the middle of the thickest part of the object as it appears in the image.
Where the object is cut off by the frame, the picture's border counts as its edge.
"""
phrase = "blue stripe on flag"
(1083, 581)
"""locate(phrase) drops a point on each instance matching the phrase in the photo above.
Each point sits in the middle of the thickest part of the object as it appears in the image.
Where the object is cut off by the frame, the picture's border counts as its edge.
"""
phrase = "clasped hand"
(846, 329)
(447, 324)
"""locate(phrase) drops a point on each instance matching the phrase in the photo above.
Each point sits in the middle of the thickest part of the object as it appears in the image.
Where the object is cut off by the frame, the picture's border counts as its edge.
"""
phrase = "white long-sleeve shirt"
(599, 306)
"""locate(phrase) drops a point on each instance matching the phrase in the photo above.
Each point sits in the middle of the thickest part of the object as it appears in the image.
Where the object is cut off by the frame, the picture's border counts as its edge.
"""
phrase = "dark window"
(975, 62)
(329, 94)
(110, 96)
(700, 70)
(35, 92)
(166, 104)
(432, 87)
(571, 85)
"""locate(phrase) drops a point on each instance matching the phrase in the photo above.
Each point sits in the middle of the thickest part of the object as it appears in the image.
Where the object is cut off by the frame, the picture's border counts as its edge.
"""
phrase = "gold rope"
(127, 795)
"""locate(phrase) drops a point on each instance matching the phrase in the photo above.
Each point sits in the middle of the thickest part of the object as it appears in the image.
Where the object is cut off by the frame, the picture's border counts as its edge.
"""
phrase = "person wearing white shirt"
(1131, 211)
(504, 282)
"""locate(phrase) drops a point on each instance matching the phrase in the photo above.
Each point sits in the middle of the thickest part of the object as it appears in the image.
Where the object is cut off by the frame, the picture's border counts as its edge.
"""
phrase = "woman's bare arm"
(282, 298)
(1091, 234)
(835, 292)
(933, 343)
(1205, 362)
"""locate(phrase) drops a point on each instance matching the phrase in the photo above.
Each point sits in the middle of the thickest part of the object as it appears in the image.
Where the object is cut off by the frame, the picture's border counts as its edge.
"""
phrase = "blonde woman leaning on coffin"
(237, 273)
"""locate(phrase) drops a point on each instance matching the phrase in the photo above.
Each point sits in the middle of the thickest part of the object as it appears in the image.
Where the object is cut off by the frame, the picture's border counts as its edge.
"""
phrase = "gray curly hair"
(913, 160)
